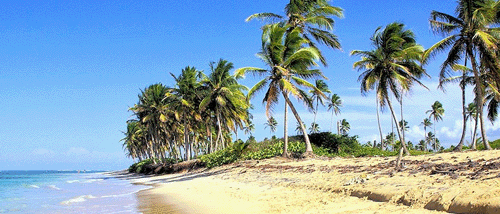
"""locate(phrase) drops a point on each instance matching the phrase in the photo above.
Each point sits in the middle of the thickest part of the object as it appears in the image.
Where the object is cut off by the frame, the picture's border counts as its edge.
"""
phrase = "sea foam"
(78, 199)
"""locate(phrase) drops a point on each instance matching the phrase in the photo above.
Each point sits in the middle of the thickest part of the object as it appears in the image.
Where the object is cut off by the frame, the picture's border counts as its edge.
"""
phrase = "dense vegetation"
(196, 118)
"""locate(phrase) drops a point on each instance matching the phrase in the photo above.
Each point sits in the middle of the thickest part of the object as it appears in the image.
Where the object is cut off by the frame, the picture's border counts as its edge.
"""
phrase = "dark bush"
(335, 143)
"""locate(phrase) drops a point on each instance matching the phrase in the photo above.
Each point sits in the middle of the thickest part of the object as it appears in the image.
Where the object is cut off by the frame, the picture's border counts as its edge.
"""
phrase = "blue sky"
(69, 70)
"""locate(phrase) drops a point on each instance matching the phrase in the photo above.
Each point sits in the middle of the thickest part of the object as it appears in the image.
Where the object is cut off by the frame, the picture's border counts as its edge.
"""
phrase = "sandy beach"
(466, 182)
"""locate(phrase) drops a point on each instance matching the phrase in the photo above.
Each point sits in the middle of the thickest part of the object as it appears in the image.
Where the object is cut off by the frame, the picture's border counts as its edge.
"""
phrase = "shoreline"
(336, 185)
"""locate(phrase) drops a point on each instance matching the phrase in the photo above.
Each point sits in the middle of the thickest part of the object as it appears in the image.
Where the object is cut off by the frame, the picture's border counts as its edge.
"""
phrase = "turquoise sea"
(46, 191)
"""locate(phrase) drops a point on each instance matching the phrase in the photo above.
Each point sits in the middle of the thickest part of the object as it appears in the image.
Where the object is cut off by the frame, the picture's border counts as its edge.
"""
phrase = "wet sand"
(466, 182)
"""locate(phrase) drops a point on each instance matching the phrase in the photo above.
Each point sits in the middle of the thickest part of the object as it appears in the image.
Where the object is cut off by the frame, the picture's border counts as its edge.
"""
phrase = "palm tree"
(184, 100)
(436, 112)
(344, 127)
(464, 80)
(289, 62)
(430, 138)
(312, 17)
(272, 124)
(298, 129)
(334, 105)
(422, 145)
(318, 97)
(426, 123)
(151, 113)
(391, 138)
(472, 114)
(404, 125)
(134, 141)
(391, 67)
(249, 129)
(224, 98)
(314, 128)
(469, 36)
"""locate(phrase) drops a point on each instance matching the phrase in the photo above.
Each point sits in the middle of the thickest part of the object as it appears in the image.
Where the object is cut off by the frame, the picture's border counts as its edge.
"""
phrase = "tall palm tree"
(319, 97)
(426, 123)
(289, 62)
(391, 67)
(314, 19)
(469, 37)
(224, 98)
(314, 128)
(334, 106)
(344, 127)
(463, 81)
(437, 113)
(272, 124)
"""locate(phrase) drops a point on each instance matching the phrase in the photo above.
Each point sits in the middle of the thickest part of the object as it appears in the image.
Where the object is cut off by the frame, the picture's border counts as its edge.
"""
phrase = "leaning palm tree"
(313, 17)
(150, 111)
(436, 112)
(334, 105)
(470, 37)
(272, 124)
(391, 67)
(289, 62)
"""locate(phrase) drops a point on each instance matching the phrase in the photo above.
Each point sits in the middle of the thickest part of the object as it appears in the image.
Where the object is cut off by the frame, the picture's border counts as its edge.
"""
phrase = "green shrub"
(494, 145)
(225, 156)
(139, 166)
(335, 142)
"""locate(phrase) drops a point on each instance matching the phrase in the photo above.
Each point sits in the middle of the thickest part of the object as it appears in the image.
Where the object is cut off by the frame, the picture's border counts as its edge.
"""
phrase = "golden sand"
(466, 182)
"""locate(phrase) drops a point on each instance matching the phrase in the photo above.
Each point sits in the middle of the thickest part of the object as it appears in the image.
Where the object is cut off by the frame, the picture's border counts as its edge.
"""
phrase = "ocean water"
(66, 192)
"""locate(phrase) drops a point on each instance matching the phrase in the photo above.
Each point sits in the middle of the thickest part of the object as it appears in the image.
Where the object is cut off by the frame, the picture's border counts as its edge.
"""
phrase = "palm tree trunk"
(425, 137)
(435, 136)
(304, 131)
(331, 122)
(186, 140)
(479, 98)
(285, 133)
(338, 127)
(379, 126)
(402, 119)
(464, 109)
(316, 111)
(219, 132)
(403, 144)
(474, 144)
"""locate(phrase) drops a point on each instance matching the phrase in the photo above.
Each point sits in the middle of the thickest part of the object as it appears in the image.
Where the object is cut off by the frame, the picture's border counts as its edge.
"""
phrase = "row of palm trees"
(195, 116)
(200, 112)
(395, 63)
